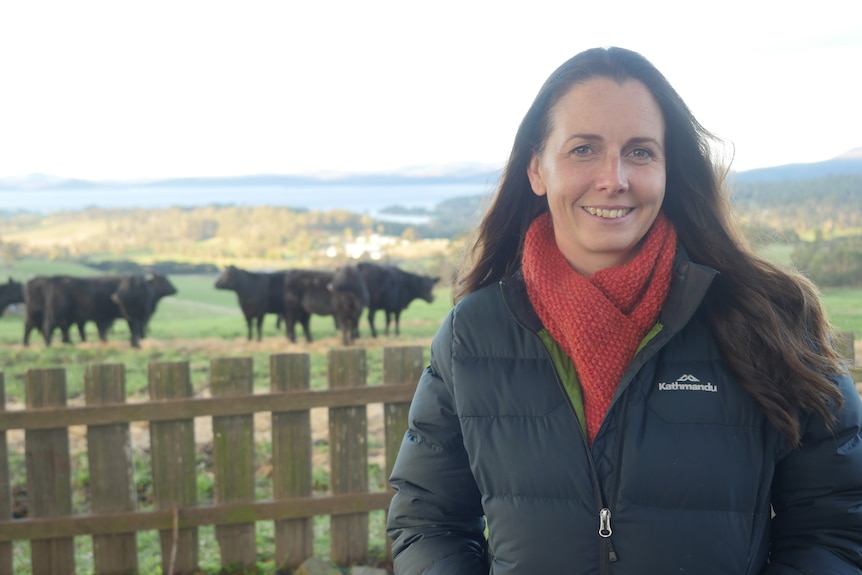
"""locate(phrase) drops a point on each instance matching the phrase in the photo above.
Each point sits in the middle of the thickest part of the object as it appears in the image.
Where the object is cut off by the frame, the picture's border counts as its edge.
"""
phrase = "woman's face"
(603, 171)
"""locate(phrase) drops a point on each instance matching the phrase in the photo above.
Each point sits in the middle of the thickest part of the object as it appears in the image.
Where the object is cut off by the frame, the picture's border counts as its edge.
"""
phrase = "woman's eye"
(581, 150)
(641, 153)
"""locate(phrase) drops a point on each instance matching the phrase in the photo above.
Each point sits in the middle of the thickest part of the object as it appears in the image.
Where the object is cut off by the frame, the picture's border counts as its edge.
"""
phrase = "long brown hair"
(768, 321)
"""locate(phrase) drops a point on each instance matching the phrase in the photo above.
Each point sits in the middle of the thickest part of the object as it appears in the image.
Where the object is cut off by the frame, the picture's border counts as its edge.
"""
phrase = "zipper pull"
(605, 522)
(605, 532)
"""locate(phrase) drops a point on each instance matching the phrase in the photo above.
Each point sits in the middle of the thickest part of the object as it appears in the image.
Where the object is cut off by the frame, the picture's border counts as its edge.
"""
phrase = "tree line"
(821, 219)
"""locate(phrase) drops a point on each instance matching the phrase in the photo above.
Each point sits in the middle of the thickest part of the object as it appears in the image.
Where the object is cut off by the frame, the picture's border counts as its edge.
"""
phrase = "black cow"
(349, 300)
(135, 299)
(341, 294)
(95, 300)
(391, 289)
(10, 292)
(36, 293)
(59, 302)
(34, 306)
(258, 293)
(77, 300)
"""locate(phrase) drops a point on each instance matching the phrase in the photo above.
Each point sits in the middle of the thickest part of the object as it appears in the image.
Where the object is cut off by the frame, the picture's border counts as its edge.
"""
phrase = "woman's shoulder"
(498, 310)
(479, 300)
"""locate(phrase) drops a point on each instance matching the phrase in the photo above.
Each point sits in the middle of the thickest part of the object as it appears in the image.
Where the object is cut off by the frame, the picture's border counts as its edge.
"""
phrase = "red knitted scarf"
(599, 320)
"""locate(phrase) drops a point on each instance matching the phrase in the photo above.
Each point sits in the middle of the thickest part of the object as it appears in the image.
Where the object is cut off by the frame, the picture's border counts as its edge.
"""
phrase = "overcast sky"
(118, 89)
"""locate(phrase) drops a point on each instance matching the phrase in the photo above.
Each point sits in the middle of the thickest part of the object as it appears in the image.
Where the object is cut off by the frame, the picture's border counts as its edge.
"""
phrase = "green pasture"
(844, 309)
(196, 324)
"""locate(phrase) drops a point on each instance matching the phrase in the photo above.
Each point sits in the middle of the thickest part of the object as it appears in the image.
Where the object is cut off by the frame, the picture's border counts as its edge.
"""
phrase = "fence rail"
(177, 514)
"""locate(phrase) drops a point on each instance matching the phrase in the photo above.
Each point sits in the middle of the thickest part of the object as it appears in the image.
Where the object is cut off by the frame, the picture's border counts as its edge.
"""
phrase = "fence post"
(233, 458)
(112, 485)
(291, 459)
(172, 445)
(5, 487)
(49, 489)
(401, 365)
(348, 451)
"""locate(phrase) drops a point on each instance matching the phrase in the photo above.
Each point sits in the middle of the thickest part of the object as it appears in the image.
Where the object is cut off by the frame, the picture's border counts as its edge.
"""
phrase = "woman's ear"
(534, 173)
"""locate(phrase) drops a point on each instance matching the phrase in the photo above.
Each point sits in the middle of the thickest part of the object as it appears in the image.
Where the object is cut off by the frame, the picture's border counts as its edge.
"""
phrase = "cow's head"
(13, 287)
(11, 292)
(162, 286)
(227, 279)
(426, 287)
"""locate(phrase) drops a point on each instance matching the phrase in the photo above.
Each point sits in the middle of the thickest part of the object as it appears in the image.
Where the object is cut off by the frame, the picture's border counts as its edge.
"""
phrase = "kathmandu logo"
(687, 382)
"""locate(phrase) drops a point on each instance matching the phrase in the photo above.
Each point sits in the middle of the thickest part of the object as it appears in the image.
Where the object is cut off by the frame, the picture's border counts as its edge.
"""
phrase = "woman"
(623, 387)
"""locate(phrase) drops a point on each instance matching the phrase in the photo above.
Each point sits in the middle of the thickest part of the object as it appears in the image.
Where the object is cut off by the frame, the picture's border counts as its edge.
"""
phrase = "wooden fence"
(113, 519)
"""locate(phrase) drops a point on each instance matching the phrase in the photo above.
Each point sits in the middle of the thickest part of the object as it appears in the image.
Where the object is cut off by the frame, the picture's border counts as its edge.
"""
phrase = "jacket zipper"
(605, 532)
(607, 555)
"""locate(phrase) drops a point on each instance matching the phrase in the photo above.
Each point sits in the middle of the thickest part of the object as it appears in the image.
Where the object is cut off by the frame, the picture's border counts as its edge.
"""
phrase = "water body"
(358, 199)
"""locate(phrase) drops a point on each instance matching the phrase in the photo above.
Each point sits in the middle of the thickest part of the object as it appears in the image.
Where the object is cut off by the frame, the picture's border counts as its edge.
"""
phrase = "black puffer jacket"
(680, 478)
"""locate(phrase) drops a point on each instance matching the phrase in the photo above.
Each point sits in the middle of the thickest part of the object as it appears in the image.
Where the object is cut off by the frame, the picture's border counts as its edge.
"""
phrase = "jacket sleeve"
(435, 520)
(817, 497)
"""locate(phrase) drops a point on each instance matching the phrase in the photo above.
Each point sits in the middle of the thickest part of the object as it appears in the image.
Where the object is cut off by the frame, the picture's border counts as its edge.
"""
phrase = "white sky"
(121, 89)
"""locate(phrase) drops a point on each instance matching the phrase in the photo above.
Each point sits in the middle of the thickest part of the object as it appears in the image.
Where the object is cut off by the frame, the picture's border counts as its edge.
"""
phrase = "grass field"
(844, 309)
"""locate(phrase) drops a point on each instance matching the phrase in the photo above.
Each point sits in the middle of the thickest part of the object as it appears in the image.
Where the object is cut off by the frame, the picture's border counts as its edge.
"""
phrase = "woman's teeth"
(609, 214)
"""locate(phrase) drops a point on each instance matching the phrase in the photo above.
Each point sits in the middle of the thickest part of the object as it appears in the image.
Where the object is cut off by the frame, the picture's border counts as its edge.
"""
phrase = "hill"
(830, 205)
(849, 163)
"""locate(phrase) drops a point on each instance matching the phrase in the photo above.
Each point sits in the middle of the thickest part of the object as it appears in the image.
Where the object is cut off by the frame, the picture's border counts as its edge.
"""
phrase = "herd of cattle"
(293, 295)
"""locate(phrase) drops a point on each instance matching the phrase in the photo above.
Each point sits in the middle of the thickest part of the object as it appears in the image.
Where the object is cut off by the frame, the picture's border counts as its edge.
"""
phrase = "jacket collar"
(688, 287)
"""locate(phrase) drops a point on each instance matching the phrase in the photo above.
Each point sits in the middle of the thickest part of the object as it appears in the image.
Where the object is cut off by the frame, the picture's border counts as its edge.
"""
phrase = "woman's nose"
(612, 178)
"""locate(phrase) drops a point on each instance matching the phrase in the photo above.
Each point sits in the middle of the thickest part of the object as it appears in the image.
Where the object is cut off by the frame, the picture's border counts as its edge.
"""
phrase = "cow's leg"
(305, 321)
(371, 313)
(290, 327)
(28, 327)
(248, 320)
(259, 327)
(397, 315)
(135, 331)
(82, 330)
(103, 327)
(48, 332)
(388, 319)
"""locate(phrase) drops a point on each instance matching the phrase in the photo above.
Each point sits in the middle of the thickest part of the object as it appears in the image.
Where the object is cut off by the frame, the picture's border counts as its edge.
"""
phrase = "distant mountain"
(41, 182)
(438, 175)
(467, 173)
(846, 164)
